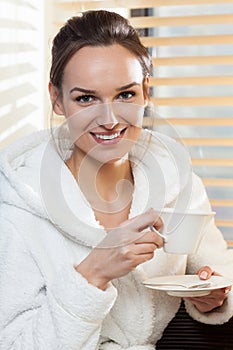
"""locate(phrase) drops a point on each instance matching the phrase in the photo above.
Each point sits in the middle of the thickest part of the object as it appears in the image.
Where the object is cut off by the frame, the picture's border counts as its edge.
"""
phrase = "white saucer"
(162, 283)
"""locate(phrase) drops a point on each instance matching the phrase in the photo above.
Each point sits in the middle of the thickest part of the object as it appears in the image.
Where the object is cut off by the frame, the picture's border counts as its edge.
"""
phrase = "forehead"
(113, 65)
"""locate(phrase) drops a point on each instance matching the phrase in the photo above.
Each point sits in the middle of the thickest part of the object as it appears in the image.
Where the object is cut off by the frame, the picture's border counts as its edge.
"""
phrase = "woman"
(76, 213)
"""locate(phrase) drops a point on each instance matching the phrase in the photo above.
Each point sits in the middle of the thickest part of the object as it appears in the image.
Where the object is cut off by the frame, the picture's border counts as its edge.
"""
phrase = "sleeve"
(212, 251)
(67, 315)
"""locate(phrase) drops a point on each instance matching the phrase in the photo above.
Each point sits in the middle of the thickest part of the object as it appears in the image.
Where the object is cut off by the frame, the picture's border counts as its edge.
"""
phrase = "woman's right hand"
(123, 249)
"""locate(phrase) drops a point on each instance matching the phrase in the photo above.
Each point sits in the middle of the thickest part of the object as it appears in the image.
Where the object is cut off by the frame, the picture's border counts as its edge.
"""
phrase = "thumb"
(205, 272)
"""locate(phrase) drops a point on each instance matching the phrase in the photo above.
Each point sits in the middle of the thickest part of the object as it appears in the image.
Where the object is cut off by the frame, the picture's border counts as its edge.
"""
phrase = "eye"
(126, 95)
(85, 99)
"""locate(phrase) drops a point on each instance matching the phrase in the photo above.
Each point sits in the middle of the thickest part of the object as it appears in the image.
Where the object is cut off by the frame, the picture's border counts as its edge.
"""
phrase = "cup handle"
(159, 234)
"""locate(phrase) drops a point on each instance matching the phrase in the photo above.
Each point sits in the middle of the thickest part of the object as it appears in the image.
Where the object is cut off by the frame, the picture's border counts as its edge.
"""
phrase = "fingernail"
(204, 275)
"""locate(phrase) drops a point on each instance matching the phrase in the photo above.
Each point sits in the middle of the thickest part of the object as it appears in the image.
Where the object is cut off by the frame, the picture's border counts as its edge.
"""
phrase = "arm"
(122, 250)
(68, 311)
(214, 258)
(67, 315)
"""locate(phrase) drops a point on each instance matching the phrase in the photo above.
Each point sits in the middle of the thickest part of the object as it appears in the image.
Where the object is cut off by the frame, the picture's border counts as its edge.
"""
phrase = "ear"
(146, 89)
(55, 99)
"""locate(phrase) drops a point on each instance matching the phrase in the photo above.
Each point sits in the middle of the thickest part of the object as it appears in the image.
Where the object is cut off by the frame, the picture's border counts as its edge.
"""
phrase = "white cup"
(182, 231)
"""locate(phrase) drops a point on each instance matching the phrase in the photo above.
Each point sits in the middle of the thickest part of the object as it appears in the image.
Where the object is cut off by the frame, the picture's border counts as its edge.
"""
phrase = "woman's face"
(103, 101)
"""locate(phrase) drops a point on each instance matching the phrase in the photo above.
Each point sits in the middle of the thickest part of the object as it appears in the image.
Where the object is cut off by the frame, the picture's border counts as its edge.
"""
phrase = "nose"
(108, 117)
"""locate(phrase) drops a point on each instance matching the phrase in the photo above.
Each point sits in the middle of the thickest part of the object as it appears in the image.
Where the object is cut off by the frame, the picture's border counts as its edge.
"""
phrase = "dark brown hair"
(95, 28)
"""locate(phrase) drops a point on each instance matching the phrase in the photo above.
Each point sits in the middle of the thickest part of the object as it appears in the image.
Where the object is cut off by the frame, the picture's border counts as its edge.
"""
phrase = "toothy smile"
(108, 137)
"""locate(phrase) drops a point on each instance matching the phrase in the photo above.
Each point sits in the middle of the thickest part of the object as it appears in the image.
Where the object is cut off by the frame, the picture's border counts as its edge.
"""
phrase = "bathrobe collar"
(34, 177)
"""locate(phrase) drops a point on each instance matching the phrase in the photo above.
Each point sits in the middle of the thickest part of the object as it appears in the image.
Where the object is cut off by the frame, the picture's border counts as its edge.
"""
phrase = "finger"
(201, 306)
(205, 272)
(139, 258)
(217, 294)
(158, 223)
(210, 301)
(142, 221)
(130, 231)
(221, 291)
(216, 273)
(144, 248)
(210, 304)
(228, 289)
(151, 237)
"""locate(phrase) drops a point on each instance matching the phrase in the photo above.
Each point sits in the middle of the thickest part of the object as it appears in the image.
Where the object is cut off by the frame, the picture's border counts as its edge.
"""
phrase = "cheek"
(84, 142)
(132, 136)
(80, 122)
(90, 118)
(130, 113)
(88, 147)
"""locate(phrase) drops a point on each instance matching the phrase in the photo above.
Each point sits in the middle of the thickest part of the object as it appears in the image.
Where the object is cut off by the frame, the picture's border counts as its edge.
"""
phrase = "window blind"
(192, 84)
(20, 69)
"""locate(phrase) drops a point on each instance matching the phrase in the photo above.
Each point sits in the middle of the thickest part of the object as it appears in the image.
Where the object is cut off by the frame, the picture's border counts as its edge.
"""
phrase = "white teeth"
(108, 137)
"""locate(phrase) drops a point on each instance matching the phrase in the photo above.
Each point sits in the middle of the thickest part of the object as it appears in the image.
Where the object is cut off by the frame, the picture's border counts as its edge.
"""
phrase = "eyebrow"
(88, 91)
(127, 86)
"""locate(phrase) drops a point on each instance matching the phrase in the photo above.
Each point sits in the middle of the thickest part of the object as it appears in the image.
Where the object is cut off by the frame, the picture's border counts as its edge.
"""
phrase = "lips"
(108, 137)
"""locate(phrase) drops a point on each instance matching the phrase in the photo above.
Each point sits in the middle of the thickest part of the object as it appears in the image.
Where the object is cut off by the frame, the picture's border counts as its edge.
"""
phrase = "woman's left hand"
(215, 298)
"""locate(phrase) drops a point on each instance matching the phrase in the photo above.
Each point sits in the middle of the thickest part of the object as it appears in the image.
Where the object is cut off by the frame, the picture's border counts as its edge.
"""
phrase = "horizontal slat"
(152, 21)
(151, 41)
(222, 193)
(194, 101)
(11, 119)
(9, 96)
(218, 182)
(202, 121)
(148, 121)
(134, 4)
(221, 203)
(190, 121)
(107, 4)
(207, 80)
(21, 132)
(216, 172)
(212, 162)
(192, 60)
(16, 47)
(227, 233)
(16, 70)
(208, 141)
(23, 3)
(189, 2)
(9, 23)
(224, 223)
(230, 243)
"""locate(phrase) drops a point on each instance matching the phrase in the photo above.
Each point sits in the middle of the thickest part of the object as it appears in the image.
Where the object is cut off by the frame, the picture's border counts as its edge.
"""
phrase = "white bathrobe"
(47, 227)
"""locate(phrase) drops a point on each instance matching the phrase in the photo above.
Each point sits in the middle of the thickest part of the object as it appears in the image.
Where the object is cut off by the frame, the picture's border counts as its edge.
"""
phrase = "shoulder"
(161, 146)
(166, 164)
(25, 143)
(166, 145)
(166, 153)
(20, 169)
(19, 152)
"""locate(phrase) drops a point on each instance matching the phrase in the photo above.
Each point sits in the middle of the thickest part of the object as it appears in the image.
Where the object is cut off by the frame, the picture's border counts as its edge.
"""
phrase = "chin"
(108, 158)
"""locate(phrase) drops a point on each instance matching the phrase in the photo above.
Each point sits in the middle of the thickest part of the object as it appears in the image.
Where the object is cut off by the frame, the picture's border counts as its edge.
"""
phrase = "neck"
(111, 173)
(103, 183)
